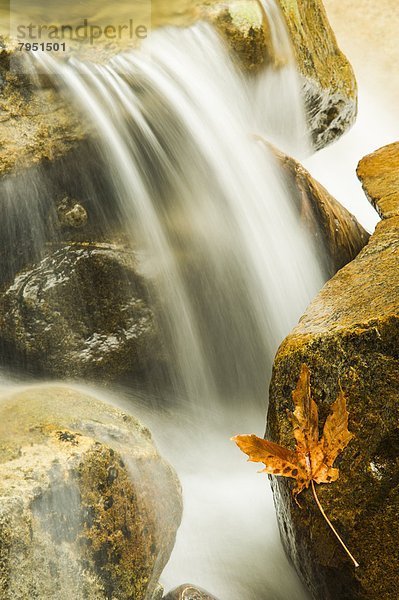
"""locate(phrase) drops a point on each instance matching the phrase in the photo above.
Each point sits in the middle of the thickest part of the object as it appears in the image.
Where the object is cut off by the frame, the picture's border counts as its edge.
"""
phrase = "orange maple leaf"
(313, 459)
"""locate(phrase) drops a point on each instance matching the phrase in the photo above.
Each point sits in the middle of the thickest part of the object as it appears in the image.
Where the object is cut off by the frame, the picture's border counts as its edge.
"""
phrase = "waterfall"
(232, 267)
(176, 124)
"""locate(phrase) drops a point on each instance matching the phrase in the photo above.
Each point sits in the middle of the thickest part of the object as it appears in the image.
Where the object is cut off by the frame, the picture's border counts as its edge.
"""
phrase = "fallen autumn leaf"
(312, 460)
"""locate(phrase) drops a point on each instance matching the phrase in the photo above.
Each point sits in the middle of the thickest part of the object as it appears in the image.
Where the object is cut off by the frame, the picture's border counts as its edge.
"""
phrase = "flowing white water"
(231, 265)
(277, 104)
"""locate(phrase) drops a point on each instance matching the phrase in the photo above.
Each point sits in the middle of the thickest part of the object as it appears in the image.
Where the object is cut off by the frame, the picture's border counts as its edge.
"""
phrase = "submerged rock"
(188, 592)
(83, 311)
(379, 174)
(349, 336)
(338, 234)
(328, 80)
(88, 508)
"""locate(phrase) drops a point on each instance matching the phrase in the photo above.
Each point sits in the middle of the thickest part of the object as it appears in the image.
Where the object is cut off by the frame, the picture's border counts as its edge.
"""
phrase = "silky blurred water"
(231, 265)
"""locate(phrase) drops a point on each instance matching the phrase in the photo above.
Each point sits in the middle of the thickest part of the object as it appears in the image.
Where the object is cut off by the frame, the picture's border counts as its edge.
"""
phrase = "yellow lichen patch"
(315, 46)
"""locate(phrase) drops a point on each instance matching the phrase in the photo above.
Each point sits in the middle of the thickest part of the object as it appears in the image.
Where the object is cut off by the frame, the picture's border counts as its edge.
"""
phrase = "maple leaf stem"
(332, 526)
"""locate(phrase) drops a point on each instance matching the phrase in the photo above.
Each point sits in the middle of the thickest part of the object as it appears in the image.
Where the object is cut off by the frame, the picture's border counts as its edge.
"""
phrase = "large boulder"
(329, 83)
(339, 236)
(83, 311)
(349, 336)
(88, 508)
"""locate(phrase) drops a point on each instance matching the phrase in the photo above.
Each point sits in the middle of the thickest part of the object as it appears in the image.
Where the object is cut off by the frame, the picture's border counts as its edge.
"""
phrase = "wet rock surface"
(189, 592)
(339, 236)
(329, 83)
(348, 336)
(36, 125)
(244, 27)
(379, 174)
(89, 510)
(84, 310)
(56, 203)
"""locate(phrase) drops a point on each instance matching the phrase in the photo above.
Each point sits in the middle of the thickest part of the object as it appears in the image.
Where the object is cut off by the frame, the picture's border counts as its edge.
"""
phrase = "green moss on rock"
(118, 536)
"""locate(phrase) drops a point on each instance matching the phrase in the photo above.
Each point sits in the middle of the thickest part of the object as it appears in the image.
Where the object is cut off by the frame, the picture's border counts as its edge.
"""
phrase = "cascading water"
(175, 124)
(232, 268)
(276, 101)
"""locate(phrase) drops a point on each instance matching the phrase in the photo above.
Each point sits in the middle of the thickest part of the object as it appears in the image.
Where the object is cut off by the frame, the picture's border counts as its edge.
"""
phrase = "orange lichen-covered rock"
(379, 174)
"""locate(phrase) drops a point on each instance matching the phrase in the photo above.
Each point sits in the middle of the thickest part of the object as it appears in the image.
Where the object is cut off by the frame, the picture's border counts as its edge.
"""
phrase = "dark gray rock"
(83, 311)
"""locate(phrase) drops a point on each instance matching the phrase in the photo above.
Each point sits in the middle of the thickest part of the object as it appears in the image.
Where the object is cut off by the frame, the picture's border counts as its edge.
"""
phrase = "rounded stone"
(188, 592)
(88, 508)
(82, 311)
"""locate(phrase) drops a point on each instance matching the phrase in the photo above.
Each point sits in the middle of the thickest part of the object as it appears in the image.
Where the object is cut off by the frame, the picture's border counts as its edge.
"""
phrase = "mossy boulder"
(83, 311)
(188, 592)
(89, 510)
(244, 27)
(349, 337)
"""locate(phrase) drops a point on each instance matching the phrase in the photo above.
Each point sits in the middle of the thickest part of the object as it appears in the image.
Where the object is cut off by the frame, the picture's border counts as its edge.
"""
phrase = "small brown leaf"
(313, 458)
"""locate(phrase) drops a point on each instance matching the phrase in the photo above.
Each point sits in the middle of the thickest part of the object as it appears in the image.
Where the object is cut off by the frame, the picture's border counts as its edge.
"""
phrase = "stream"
(230, 269)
